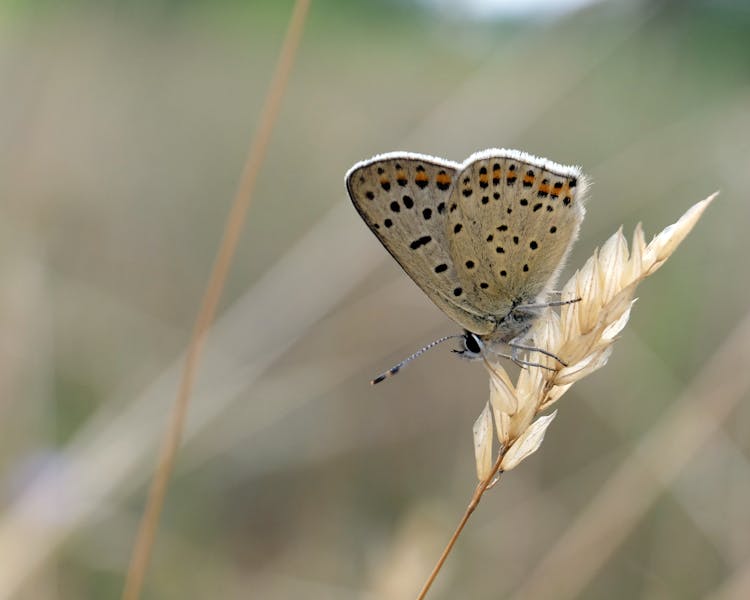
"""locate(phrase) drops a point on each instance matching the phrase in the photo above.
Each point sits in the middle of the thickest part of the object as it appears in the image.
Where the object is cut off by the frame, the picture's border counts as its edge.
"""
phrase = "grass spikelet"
(585, 331)
(582, 334)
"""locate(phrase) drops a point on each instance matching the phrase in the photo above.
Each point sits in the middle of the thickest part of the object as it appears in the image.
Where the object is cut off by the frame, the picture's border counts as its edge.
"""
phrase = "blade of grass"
(235, 221)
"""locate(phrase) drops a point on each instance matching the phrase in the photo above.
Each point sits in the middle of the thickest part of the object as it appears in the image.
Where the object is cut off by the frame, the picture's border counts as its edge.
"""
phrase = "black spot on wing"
(422, 241)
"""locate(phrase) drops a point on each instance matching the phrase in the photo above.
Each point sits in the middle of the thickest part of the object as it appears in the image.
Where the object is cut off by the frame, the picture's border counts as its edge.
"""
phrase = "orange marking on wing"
(544, 188)
(496, 176)
(442, 178)
(422, 176)
(528, 179)
(483, 178)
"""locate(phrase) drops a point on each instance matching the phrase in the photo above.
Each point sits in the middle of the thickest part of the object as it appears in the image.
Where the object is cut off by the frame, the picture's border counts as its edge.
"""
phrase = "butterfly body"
(484, 239)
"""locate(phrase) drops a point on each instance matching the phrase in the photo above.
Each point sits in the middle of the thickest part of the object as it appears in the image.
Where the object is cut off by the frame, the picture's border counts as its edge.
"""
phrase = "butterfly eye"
(472, 345)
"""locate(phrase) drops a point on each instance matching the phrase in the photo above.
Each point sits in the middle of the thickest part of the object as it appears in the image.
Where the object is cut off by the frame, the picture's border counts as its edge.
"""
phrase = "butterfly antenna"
(396, 368)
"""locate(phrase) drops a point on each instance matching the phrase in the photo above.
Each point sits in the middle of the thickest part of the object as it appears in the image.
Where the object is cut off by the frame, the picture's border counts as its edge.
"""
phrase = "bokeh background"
(123, 130)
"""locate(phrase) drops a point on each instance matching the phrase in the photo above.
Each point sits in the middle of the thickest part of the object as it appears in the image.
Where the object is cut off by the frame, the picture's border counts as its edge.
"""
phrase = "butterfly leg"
(516, 348)
(547, 304)
(525, 363)
(516, 358)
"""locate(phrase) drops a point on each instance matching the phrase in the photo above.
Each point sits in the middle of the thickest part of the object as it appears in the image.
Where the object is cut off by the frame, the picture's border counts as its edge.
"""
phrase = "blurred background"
(123, 130)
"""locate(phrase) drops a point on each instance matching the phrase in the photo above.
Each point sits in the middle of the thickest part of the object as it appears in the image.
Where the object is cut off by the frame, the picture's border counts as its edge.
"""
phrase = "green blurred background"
(123, 130)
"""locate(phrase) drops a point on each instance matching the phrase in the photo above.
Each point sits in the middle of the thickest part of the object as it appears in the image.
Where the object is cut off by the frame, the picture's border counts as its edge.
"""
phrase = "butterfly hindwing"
(516, 219)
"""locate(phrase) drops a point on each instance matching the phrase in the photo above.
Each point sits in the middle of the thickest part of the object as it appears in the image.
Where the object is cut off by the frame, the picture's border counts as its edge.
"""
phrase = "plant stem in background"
(232, 231)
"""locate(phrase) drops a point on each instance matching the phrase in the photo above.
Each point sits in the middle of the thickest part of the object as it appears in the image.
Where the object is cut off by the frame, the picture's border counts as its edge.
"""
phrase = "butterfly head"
(472, 346)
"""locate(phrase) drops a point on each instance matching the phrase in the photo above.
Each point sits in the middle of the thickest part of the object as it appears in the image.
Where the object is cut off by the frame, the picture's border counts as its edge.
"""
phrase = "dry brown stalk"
(583, 333)
(227, 247)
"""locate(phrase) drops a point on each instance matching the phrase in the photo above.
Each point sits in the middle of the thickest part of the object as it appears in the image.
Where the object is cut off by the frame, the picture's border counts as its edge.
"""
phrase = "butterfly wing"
(404, 199)
(515, 221)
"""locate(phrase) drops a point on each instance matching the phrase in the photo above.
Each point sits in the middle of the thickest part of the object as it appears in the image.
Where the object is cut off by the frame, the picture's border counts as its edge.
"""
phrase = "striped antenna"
(396, 368)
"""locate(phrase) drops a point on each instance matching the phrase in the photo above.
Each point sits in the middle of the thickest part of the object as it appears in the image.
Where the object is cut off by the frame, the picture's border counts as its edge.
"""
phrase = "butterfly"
(484, 239)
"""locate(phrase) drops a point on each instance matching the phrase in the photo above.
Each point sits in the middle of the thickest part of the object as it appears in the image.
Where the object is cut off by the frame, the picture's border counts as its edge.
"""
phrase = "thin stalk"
(473, 503)
(235, 221)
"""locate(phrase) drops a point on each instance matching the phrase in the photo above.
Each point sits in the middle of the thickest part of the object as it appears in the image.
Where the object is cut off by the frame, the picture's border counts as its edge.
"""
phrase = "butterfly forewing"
(403, 198)
(515, 220)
